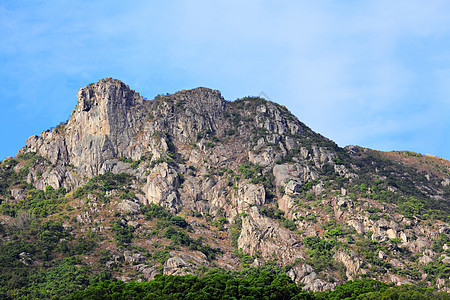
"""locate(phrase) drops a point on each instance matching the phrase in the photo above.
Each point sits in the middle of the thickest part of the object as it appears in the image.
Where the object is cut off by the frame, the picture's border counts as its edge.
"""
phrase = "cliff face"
(102, 126)
(246, 175)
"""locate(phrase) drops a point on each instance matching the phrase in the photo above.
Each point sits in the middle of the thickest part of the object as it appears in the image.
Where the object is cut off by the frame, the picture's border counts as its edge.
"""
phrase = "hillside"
(191, 183)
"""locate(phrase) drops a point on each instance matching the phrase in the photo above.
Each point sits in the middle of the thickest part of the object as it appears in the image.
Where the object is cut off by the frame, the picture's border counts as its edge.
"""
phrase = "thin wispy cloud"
(373, 73)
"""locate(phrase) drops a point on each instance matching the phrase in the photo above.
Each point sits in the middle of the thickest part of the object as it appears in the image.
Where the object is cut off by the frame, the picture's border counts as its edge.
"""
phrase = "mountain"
(191, 183)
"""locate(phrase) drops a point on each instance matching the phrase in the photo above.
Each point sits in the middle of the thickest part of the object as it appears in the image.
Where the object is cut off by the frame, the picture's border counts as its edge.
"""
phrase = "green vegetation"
(404, 180)
(440, 242)
(42, 258)
(216, 286)
(278, 214)
(252, 286)
(235, 230)
(372, 289)
(254, 172)
(168, 158)
(320, 252)
(161, 256)
(334, 230)
(105, 182)
(246, 259)
(220, 223)
(122, 233)
(392, 183)
(179, 237)
(39, 202)
(160, 213)
(63, 278)
(135, 164)
(437, 269)
(127, 160)
(9, 178)
(31, 264)
(369, 250)
(61, 126)
(251, 171)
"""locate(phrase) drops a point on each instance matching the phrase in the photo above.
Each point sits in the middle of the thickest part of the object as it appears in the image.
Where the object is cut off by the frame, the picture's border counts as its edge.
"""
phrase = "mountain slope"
(189, 182)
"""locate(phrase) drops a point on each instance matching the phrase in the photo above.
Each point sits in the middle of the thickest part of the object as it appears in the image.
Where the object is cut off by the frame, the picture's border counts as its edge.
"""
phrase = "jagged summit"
(202, 100)
(107, 91)
(248, 177)
(111, 121)
(198, 91)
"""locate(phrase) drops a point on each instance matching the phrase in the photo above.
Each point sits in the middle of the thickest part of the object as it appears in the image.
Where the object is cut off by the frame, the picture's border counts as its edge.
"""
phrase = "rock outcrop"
(248, 175)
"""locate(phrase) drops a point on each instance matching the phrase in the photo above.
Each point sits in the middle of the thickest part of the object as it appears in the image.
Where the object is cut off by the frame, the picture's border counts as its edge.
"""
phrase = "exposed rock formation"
(247, 161)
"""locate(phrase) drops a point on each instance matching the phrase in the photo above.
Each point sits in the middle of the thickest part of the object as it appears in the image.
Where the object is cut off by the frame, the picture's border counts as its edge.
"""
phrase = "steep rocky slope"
(238, 185)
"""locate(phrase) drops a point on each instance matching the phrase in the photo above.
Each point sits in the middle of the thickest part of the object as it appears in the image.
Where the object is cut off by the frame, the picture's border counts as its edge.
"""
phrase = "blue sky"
(370, 73)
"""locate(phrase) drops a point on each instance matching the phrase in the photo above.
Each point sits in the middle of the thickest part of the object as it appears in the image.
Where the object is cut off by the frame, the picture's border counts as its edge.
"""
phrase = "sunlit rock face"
(248, 163)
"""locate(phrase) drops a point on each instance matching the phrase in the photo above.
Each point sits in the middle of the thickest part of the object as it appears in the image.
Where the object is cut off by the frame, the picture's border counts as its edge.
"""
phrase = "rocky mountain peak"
(249, 178)
(202, 100)
(109, 92)
(101, 127)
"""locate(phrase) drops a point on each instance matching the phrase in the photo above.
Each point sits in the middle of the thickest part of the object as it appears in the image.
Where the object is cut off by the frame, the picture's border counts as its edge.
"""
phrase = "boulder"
(132, 258)
(175, 266)
(129, 206)
(352, 263)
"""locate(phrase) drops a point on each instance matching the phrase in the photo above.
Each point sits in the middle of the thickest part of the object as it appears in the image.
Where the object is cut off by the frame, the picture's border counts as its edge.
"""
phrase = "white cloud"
(371, 73)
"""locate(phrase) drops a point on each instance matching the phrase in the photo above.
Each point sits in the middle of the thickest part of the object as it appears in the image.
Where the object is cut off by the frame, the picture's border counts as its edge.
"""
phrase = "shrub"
(122, 233)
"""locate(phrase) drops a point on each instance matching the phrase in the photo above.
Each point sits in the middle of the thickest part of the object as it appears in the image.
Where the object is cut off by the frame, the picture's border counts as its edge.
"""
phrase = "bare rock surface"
(187, 152)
